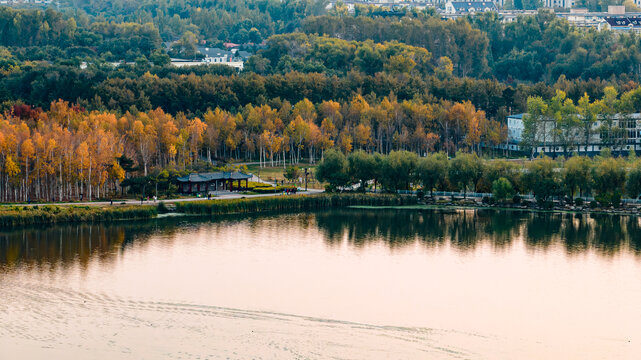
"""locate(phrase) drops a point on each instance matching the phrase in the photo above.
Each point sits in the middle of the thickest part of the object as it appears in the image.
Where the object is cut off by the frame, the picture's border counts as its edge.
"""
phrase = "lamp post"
(306, 173)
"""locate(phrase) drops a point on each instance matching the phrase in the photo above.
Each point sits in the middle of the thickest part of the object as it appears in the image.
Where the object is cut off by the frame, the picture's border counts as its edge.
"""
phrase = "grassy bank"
(51, 214)
(291, 203)
(11, 216)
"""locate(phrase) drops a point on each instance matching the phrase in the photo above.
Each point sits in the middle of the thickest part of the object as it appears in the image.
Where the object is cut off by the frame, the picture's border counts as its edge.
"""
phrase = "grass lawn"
(275, 173)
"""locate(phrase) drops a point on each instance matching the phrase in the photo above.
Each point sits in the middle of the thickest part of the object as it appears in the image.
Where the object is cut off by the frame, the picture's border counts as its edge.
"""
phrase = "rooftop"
(220, 175)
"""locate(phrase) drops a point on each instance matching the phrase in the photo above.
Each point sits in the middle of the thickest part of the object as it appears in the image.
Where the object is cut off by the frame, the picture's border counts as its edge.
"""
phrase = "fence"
(526, 196)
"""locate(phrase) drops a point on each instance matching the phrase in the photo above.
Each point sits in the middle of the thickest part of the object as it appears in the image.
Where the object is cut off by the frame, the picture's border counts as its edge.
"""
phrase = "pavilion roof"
(220, 175)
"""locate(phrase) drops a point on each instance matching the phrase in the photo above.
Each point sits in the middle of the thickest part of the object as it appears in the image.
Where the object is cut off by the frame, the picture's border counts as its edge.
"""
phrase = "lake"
(339, 284)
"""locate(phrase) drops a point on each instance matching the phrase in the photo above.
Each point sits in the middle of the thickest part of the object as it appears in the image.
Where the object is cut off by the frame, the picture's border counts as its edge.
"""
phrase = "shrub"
(615, 199)
(162, 208)
(593, 204)
(516, 199)
(578, 201)
(502, 189)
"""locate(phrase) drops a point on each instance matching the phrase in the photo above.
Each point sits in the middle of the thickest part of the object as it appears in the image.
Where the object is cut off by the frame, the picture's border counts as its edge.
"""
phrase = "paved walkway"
(229, 195)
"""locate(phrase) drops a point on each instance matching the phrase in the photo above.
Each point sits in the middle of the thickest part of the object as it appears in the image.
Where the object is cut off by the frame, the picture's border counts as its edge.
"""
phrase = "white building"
(469, 7)
(622, 136)
(565, 4)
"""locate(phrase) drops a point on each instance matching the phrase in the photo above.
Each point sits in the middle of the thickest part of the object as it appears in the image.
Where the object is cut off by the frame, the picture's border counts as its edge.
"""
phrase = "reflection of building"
(210, 182)
(622, 133)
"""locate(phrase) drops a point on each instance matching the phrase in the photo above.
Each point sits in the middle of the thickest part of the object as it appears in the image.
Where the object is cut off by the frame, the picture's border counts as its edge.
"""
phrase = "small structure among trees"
(211, 182)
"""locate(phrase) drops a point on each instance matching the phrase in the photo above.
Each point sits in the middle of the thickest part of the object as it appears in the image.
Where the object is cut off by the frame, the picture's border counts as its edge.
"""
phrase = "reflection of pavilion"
(210, 182)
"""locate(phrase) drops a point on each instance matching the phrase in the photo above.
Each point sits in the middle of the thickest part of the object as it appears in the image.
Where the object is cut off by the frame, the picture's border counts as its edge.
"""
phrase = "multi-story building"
(621, 133)
(555, 4)
(469, 7)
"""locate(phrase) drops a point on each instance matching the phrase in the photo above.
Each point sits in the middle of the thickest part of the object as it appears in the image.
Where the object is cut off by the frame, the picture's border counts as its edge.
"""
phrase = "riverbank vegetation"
(11, 216)
(291, 203)
(606, 178)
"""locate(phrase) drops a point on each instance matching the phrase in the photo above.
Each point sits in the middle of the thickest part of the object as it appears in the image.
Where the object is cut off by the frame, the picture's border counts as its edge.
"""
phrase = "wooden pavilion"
(212, 182)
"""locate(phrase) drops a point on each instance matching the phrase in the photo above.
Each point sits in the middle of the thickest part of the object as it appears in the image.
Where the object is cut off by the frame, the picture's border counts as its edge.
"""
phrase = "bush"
(615, 199)
(593, 204)
(516, 199)
(578, 201)
(273, 189)
(502, 189)
(162, 208)
(488, 200)
(545, 204)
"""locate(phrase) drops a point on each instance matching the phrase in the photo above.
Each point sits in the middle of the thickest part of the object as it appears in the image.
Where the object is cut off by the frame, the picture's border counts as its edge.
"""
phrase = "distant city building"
(10, 2)
(233, 57)
(555, 4)
(615, 18)
(630, 22)
(469, 7)
(387, 4)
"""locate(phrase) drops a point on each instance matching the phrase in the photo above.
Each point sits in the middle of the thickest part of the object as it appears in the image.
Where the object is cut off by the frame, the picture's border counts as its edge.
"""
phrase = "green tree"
(495, 169)
(159, 58)
(608, 180)
(432, 170)
(362, 167)
(633, 182)
(588, 116)
(399, 169)
(535, 118)
(542, 178)
(291, 173)
(577, 175)
(502, 189)
(333, 169)
(464, 170)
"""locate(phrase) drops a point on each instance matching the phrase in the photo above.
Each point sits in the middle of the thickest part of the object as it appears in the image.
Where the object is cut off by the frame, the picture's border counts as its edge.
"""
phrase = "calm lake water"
(346, 284)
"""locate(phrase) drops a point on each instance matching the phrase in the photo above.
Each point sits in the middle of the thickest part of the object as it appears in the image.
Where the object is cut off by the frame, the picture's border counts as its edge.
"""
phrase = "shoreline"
(21, 215)
(500, 208)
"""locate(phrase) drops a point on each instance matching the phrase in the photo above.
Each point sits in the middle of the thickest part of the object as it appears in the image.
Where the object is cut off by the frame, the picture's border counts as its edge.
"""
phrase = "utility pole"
(306, 173)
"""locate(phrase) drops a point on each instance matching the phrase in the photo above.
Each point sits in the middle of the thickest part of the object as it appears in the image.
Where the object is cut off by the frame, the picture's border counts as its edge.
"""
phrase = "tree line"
(69, 152)
(605, 177)
(238, 21)
(532, 48)
(49, 35)
(193, 90)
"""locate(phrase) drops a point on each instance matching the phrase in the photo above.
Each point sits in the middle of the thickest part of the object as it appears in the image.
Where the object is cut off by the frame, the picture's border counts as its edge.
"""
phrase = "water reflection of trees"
(465, 229)
(462, 229)
(65, 245)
